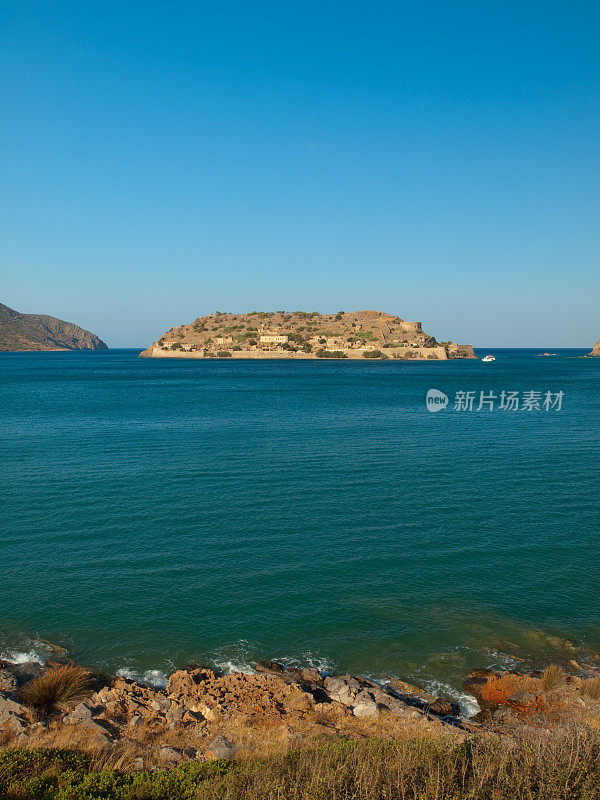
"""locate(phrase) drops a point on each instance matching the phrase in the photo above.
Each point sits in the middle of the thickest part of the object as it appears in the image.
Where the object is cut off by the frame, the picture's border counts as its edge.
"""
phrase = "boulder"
(342, 689)
(311, 676)
(81, 713)
(171, 755)
(492, 689)
(221, 747)
(366, 698)
(364, 705)
(174, 716)
(189, 717)
(270, 666)
(97, 728)
(443, 708)
(10, 706)
(12, 723)
(409, 693)
(305, 675)
(521, 699)
(8, 681)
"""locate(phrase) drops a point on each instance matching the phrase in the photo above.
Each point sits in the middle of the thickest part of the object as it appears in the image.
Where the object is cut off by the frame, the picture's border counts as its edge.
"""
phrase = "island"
(39, 332)
(595, 349)
(304, 335)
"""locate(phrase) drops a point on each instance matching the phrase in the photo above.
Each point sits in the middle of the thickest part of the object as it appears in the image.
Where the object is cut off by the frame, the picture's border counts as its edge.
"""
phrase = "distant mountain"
(595, 349)
(40, 332)
(298, 334)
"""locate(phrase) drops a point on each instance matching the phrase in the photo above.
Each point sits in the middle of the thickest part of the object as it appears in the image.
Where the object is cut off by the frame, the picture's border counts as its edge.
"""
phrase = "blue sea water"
(157, 512)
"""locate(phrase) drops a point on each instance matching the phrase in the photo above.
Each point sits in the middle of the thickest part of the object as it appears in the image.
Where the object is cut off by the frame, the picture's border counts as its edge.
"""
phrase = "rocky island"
(595, 349)
(304, 335)
(39, 332)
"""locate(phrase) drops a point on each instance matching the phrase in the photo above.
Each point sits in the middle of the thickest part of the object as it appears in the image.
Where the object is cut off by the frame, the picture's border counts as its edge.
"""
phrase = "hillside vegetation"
(41, 332)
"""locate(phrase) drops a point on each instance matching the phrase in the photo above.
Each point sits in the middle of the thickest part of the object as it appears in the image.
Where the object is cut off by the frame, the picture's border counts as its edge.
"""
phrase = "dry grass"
(554, 677)
(58, 684)
(561, 767)
(591, 688)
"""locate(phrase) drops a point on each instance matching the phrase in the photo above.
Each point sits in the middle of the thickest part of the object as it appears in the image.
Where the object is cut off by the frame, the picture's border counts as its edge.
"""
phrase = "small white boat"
(489, 358)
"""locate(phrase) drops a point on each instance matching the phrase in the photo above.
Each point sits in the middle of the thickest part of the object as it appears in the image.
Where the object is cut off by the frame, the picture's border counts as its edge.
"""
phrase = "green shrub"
(374, 354)
(223, 354)
(330, 354)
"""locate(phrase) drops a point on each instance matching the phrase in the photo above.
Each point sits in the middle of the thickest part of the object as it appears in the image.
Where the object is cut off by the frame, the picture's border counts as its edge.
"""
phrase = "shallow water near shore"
(161, 512)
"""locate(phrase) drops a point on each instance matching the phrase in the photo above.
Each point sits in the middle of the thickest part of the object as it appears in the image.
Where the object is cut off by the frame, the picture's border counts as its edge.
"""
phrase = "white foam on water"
(18, 657)
(318, 662)
(466, 702)
(497, 660)
(155, 678)
(227, 667)
(307, 659)
(236, 657)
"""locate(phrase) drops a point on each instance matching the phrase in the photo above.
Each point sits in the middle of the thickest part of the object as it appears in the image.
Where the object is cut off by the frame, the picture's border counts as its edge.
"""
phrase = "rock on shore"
(546, 700)
(202, 714)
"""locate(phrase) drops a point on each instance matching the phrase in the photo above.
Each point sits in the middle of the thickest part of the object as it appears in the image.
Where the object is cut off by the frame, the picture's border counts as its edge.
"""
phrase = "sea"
(161, 512)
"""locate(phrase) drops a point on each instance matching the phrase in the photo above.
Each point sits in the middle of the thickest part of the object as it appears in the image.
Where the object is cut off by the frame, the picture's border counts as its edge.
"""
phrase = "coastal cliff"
(39, 332)
(595, 349)
(302, 335)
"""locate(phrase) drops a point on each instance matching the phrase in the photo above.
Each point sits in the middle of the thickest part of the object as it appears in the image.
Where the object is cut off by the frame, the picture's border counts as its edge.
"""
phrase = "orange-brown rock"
(220, 696)
(537, 698)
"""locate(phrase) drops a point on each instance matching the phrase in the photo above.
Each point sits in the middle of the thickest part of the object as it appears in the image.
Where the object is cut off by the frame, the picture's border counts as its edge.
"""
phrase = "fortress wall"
(417, 353)
(412, 327)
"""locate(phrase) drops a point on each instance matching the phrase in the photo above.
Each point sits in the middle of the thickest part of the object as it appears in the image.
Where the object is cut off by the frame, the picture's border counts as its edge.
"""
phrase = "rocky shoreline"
(202, 714)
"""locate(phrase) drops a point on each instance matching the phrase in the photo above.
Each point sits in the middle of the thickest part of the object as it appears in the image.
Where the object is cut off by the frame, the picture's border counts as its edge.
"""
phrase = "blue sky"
(437, 160)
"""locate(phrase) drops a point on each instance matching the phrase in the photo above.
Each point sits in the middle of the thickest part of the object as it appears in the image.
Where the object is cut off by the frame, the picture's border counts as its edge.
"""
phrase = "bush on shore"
(553, 768)
(322, 353)
(57, 685)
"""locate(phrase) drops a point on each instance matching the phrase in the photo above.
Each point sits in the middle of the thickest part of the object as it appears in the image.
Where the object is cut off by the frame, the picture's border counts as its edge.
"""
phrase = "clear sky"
(437, 160)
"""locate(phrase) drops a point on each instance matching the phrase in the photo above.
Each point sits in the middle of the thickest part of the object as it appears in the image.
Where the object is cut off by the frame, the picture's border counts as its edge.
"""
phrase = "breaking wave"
(155, 678)
(467, 704)
(19, 657)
